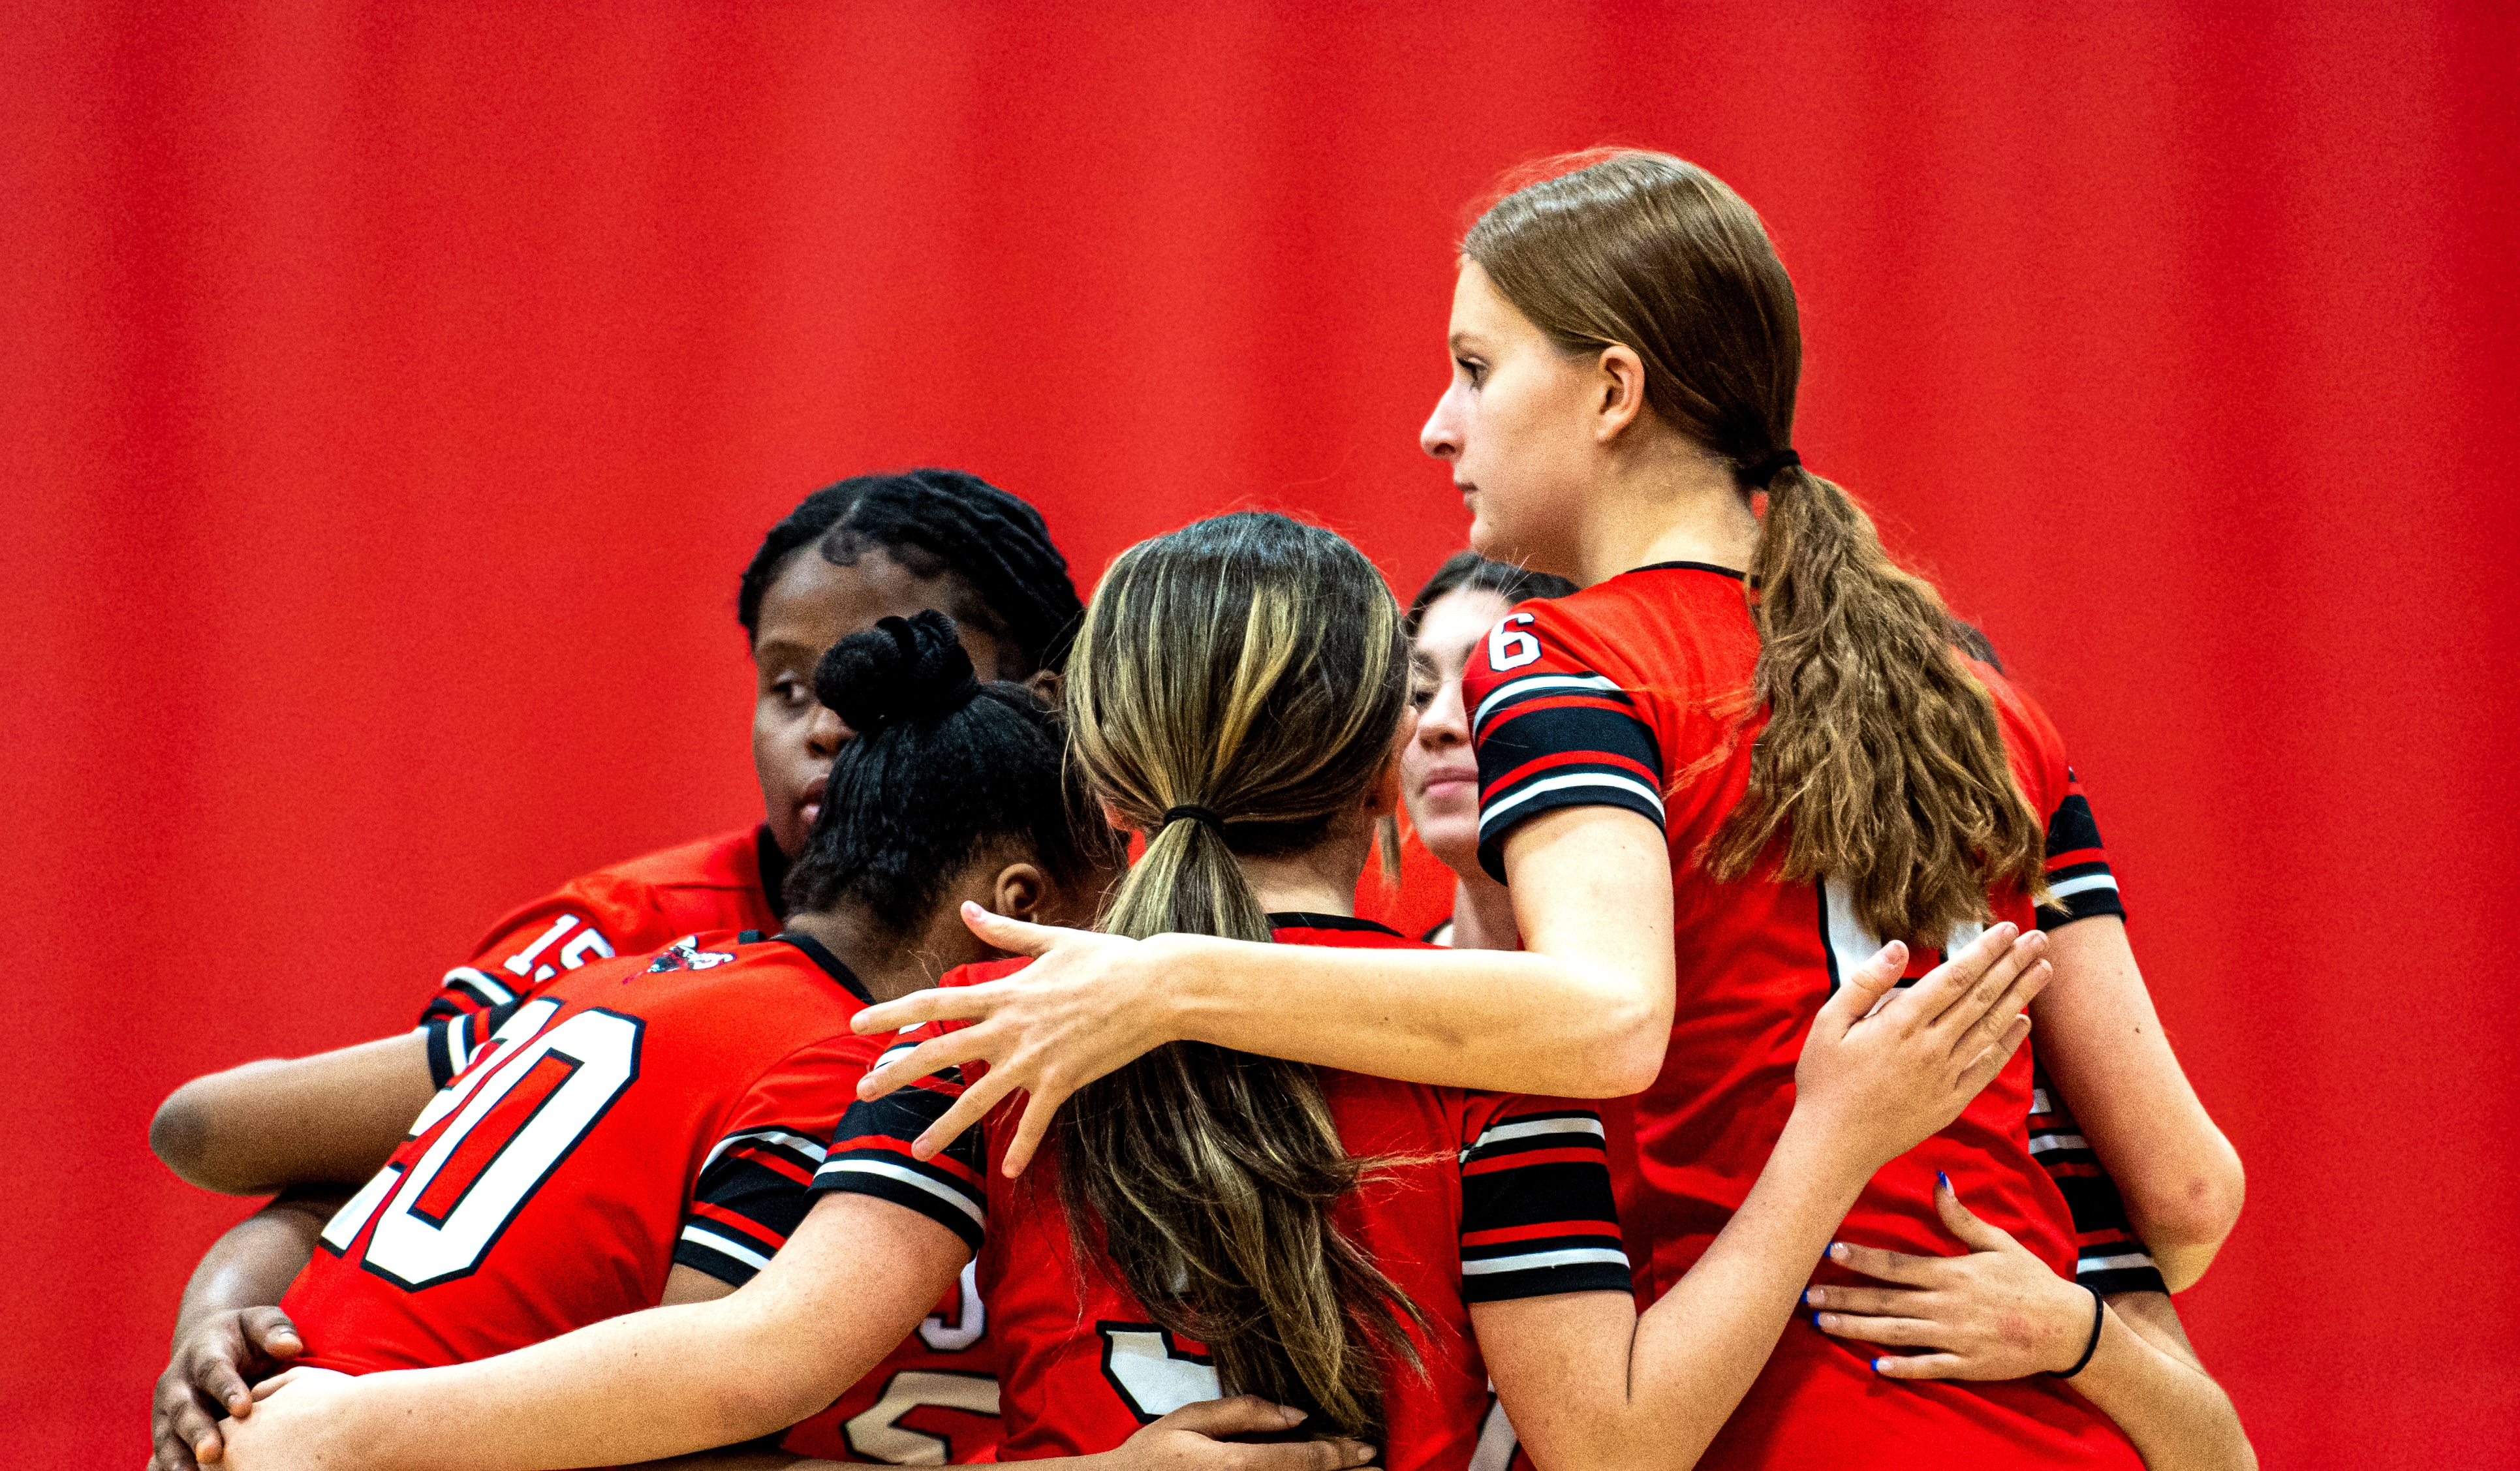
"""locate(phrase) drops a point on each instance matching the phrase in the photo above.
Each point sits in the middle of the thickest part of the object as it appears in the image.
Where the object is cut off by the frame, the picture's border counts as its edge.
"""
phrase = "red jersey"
(632, 1116)
(1622, 695)
(728, 882)
(1499, 1199)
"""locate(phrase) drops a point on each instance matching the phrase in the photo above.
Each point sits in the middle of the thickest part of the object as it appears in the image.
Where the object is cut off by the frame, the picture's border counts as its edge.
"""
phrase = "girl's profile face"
(1439, 777)
(1519, 426)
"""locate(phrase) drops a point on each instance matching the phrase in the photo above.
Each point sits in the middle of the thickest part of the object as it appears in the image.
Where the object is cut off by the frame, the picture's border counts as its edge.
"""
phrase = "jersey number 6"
(516, 1117)
(1509, 648)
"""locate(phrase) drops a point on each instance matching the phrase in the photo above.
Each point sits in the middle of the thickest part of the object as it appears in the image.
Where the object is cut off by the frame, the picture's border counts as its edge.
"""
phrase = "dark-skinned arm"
(229, 1331)
(266, 1126)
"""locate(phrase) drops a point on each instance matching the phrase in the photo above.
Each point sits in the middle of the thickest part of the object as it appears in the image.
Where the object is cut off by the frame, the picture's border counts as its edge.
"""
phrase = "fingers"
(1335, 1454)
(1991, 1025)
(1960, 1221)
(1992, 1061)
(1889, 1266)
(966, 1114)
(1015, 936)
(935, 1004)
(1862, 989)
(1967, 983)
(1242, 1414)
(270, 1330)
(223, 1385)
(1038, 1110)
(929, 1058)
(1889, 1332)
(1921, 1367)
(1871, 1301)
(182, 1432)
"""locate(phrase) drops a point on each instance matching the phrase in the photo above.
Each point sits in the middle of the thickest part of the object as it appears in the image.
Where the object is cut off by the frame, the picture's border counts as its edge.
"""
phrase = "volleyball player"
(646, 1129)
(1751, 778)
(1439, 776)
(1344, 1243)
(866, 548)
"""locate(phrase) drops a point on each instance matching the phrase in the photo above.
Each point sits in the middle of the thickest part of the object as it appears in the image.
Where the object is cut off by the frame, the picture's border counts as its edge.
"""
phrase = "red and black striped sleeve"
(870, 1155)
(757, 1180)
(1537, 1213)
(2108, 1256)
(453, 1039)
(2078, 866)
(1551, 733)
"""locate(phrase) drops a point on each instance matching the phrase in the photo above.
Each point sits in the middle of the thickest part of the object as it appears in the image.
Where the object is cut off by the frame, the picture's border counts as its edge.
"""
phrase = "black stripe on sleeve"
(2108, 1258)
(453, 1041)
(870, 1155)
(1603, 758)
(1538, 1217)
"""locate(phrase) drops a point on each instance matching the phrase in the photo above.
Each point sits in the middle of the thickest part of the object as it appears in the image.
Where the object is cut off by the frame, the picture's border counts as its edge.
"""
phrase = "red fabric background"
(392, 393)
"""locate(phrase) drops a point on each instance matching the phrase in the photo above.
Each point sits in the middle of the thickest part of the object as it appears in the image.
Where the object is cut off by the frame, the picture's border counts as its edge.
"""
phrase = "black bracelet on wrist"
(2090, 1348)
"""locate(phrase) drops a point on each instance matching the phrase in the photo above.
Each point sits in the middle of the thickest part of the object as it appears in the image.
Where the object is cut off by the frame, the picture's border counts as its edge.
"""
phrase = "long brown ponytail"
(1253, 667)
(1882, 763)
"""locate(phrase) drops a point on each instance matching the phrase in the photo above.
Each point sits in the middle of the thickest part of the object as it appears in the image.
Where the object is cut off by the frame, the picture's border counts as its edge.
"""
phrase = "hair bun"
(900, 669)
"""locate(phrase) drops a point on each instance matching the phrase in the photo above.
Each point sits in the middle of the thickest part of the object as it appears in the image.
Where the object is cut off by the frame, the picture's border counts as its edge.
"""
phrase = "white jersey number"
(1509, 648)
(426, 1235)
(1153, 1377)
(877, 1434)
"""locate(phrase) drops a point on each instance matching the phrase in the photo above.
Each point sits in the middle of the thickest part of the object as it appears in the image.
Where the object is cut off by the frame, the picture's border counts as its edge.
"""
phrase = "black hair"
(1468, 570)
(943, 765)
(937, 523)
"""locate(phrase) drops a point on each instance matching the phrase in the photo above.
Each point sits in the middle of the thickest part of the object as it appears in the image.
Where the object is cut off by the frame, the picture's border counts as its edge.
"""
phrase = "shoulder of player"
(728, 861)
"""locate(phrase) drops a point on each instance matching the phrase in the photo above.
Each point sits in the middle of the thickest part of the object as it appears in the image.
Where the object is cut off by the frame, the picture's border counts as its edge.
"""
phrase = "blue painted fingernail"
(1877, 1364)
(1945, 1178)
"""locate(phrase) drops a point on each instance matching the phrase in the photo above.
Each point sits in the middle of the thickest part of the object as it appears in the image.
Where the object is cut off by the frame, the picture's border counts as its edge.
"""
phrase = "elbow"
(2194, 1209)
(186, 1135)
(179, 1135)
(764, 1405)
(1628, 1056)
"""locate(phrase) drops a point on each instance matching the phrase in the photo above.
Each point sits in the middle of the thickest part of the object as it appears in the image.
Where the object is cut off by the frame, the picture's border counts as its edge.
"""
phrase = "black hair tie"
(1758, 476)
(2093, 1345)
(1194, 814)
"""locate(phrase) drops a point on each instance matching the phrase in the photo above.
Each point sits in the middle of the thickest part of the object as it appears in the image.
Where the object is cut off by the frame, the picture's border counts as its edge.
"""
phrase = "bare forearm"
(1492, 1019)
(269, 1125)
(665, 1382)
(253, 1264)
(2178, 1417)
(2104, 1048)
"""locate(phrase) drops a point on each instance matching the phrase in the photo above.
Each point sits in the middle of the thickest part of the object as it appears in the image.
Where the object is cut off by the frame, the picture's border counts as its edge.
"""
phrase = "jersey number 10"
(517, 1115)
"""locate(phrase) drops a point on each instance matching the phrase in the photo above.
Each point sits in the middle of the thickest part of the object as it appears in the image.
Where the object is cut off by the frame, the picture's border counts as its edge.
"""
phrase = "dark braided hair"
(943, 767)
(1012, 580)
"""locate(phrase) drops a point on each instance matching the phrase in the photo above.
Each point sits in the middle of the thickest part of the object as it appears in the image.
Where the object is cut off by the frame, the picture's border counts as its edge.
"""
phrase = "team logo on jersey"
(685, 954)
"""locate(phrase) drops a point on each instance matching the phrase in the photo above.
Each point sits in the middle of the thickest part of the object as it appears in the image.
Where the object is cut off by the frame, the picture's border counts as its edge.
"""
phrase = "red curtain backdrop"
(392, 393)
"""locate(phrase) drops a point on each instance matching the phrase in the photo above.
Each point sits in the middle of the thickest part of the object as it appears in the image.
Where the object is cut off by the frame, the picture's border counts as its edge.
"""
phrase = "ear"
(1018, 891)
(1619, 391)
(1111, 817)
(1050, 685)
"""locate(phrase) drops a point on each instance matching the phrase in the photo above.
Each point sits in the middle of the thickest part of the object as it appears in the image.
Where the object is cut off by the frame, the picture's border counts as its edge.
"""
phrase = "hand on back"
(1886, 1067)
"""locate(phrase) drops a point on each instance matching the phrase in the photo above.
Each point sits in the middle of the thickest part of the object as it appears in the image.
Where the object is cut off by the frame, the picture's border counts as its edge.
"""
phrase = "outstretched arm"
(1998, 1313)
(2102, 1043)
(1591, 1387)
(1583, 1011)
(851, 1282)
(269, 1125)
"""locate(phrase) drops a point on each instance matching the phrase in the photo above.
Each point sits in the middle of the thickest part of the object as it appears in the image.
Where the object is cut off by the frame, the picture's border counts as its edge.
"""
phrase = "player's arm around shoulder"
(268, 1125)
